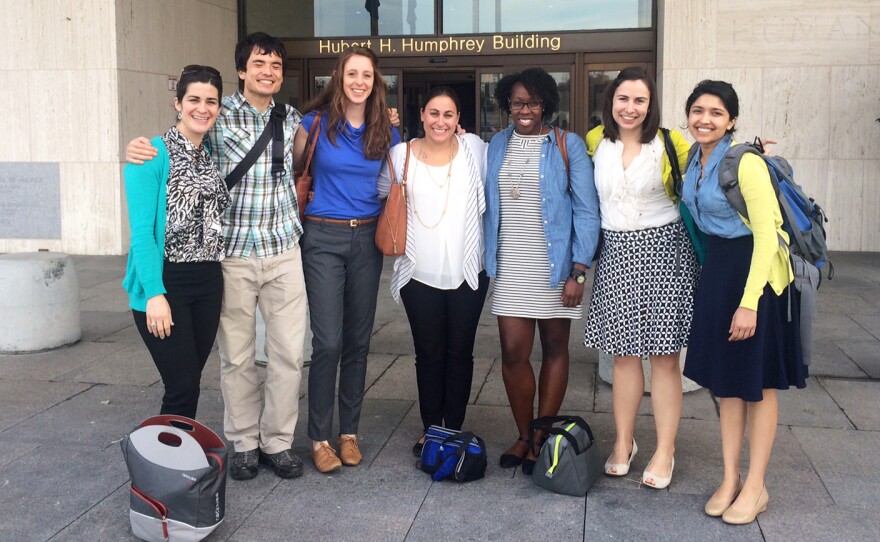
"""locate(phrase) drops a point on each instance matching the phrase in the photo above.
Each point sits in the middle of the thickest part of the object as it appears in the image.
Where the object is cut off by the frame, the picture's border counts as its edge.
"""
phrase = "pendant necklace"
(514, 190)
(441, 185)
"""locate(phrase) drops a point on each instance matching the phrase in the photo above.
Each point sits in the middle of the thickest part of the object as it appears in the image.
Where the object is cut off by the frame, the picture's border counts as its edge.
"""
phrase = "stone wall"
(80, 78)
(807, 73)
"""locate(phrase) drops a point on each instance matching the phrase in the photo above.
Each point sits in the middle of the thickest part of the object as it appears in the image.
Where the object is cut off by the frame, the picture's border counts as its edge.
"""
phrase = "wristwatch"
(578, 275)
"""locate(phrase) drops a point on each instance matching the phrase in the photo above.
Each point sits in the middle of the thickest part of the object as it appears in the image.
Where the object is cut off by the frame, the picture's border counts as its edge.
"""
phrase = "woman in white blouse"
(440, 278)
(647, 271)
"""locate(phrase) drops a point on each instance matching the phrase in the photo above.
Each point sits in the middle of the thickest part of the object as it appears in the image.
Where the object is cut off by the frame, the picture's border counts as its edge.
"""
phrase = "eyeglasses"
(534, 105)
(193, 69)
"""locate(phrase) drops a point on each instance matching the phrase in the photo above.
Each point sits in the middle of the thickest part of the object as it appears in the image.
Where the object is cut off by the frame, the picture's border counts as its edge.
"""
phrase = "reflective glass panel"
(598, 82)
(331, 18)
(289, 93)
(478, 16)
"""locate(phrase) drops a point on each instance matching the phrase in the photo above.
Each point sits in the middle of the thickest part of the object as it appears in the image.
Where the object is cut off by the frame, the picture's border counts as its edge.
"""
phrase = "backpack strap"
(276, 121)
(563, 150)
(728, 176)
(691, 153)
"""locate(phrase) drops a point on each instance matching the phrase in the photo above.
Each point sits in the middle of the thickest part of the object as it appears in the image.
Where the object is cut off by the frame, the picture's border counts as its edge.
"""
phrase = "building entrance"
(418, 84)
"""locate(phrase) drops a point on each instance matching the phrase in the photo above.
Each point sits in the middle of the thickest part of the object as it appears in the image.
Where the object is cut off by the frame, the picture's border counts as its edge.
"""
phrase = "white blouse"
(634, 198)
(438, 235)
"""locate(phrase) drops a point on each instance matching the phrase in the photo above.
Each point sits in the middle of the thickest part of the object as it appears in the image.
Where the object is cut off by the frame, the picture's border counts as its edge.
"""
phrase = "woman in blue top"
(341, 263)
(541, 228)
(175, 205)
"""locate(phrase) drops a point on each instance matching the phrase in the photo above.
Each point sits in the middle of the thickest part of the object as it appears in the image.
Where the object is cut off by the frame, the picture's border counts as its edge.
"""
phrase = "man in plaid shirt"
(262, 265)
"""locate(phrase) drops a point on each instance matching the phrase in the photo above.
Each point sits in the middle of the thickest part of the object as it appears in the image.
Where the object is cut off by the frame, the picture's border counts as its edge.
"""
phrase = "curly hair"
(332, 102)
(652, 120)
(537, 82)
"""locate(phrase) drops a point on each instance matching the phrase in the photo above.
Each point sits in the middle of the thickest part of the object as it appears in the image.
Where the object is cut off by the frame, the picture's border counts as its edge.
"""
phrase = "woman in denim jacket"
(541, 227)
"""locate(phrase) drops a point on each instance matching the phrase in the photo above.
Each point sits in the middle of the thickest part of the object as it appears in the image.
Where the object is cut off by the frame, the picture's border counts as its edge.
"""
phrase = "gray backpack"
(178, 479)
(570, 461)
(803, 219)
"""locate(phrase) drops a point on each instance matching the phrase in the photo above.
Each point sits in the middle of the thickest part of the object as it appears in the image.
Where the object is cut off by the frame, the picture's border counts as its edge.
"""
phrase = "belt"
(350, 222)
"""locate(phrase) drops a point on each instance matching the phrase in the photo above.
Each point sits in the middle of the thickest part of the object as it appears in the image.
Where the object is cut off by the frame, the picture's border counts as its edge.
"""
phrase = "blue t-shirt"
(345, 181)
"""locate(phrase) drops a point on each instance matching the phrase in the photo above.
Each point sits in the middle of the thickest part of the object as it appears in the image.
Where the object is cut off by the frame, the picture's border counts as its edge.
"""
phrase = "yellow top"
(595, 136)
(770, 260)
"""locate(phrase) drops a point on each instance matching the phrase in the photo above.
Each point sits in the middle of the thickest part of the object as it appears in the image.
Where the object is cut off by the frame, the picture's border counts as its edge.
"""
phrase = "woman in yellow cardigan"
(643, 292)
(743, 347)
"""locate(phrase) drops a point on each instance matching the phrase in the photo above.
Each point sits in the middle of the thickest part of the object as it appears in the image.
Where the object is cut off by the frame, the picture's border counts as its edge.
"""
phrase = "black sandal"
(528, 465)
(509, 461)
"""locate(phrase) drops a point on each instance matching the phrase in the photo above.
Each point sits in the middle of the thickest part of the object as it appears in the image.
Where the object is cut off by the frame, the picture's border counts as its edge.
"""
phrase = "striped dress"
(523, 275)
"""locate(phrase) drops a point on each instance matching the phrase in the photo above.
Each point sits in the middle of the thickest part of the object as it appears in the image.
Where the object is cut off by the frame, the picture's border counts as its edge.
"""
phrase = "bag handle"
(314, 133)
(545, 423)
(563, 150)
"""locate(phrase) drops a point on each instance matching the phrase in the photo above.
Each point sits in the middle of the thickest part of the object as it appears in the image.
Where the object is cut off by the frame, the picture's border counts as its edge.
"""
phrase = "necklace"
(514, 190)
(440, 186)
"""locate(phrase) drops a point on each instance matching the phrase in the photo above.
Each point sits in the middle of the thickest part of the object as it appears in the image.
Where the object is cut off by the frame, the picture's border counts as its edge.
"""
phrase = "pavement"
(62, 413)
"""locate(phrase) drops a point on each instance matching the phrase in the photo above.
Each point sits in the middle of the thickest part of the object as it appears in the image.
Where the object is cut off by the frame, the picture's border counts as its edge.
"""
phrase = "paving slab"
(831, 359)
(839, 327)
(656, 515)
(810, 407)
(98, 324)
(865, 354)
(820, 524)
(846, 460)
(51, 364)
(130, 366)
(857, 399)
(128, 335)
(50, 487)
(869, 322)
(20, 400)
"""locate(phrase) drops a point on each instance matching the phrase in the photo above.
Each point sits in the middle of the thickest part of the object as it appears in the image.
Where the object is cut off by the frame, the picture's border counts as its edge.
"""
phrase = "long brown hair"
(331, 102)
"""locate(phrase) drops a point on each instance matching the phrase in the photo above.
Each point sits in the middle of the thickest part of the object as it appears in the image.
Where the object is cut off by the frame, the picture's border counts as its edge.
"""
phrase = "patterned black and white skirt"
(643, 292)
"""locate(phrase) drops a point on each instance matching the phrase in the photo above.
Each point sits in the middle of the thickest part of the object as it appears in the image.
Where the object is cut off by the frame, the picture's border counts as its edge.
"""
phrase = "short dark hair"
(723, 90)
(195, 73)
(652, 120)
(264, 43)
(442, 91)
(537, 82)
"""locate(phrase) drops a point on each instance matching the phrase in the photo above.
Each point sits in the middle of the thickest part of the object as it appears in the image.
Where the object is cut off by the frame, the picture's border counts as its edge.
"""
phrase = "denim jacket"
(705, 199)
(571, 219)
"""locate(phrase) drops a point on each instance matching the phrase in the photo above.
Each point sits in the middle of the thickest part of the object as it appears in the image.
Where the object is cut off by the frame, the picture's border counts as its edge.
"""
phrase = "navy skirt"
(769, 359)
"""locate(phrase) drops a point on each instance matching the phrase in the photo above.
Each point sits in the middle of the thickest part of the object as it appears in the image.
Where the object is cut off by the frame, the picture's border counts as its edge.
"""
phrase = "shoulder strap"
(251, 157)
(672, 156)
(279, 115)
(691, 153)
(312, 141)
(405, 165)
(563, 150)
(728, 176)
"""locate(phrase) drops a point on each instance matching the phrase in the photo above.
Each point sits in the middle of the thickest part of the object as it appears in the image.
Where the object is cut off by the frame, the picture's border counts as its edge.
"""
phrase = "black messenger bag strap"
(279, 113)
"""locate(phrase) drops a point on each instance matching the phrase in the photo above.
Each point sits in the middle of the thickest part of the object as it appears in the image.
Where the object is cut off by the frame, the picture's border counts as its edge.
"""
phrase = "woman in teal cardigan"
(175, 209)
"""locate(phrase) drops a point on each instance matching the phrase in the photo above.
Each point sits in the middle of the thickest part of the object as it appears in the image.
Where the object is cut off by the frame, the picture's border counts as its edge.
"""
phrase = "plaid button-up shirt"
(262, 214)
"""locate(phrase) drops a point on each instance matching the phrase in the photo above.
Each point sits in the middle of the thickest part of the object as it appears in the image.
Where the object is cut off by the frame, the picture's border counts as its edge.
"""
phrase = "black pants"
(195, 292)
(444, 326)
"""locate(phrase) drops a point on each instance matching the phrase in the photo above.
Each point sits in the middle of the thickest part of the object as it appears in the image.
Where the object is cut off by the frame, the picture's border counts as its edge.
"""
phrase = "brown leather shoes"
(349, 452)
(325, 459)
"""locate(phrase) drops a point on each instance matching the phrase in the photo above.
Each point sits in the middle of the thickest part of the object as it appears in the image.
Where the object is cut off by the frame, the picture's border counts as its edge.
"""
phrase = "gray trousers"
(341, 266)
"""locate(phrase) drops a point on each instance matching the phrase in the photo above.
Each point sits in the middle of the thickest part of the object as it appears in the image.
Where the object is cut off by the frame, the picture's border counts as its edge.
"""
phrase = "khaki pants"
(253, 418)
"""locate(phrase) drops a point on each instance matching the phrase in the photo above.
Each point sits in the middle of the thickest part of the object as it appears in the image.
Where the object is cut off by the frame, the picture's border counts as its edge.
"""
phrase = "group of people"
(528, 209)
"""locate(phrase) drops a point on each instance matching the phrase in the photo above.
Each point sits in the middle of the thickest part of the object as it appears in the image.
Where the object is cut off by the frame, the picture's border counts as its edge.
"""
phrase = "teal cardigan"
(145, 192)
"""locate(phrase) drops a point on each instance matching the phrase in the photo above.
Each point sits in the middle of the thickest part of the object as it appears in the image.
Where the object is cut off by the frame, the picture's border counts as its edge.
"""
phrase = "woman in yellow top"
(743, 347)
(646, 276)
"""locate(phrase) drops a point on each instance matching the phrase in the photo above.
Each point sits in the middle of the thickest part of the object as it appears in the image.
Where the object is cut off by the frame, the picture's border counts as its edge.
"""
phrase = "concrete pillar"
(39, 302)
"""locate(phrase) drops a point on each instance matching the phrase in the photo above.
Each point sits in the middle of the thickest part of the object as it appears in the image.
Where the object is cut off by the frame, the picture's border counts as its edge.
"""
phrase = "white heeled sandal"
(659, 481)
(621, 469)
